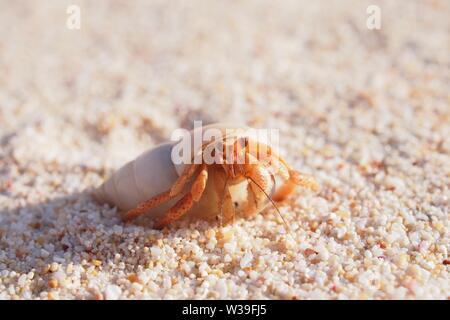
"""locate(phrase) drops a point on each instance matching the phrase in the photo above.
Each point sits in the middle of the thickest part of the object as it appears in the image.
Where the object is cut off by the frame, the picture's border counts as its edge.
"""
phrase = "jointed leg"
(178, 186)
(278, 164)
(259, 187)
(147, 205)
(174, 213)
(263, 154)
(155, 201)
(261, 183)
(295, 179)
(276, 167)
(226, 206)
(186, 202)
(162, 197)
(251, 204)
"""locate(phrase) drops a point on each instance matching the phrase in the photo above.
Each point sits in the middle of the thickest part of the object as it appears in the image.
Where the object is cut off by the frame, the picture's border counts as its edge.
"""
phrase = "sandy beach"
(366, 112)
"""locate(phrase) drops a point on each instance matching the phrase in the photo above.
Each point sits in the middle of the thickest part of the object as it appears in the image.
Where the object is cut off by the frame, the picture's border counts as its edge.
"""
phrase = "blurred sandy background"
(367, 112)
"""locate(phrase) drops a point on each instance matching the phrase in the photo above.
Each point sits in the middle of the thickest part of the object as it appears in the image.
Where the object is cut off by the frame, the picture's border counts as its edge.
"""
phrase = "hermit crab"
(216, 171)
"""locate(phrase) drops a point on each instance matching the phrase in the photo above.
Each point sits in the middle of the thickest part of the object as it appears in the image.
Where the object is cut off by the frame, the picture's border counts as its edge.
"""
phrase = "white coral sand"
(367, 112)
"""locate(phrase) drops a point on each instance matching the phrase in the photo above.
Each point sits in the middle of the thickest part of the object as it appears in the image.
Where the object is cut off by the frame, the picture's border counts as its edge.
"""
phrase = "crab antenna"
(275, 206)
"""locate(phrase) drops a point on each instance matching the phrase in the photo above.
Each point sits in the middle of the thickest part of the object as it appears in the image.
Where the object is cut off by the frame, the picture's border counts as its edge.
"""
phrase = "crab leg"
(259, 186)
(295, 179)
(143, 207)
(226, 207)
(185, 203)
(165, 196)
(182, 180)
